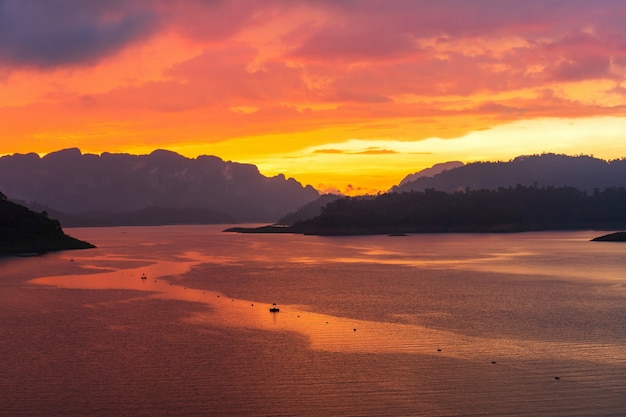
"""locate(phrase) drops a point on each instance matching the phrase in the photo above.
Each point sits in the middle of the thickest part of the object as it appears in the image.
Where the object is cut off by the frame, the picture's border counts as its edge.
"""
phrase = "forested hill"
(582, 172)
(25, 231)
(512, 209)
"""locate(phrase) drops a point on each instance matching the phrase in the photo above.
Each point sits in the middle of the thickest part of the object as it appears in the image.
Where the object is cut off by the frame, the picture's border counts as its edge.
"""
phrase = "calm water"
(422, 325)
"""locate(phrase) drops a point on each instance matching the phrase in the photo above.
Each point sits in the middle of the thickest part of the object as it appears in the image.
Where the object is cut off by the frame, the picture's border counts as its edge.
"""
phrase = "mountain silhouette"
(165, 185)
(25, 231)
(538, 192)
(511, 209)
(581, 172)
(431, 172)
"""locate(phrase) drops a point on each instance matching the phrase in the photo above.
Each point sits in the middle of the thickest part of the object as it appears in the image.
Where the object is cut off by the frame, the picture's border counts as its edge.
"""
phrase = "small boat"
(274, 309)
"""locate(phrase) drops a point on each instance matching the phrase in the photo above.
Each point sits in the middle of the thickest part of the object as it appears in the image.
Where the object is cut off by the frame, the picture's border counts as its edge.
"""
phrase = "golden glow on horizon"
(384, 162)
(346, 99)
(381, 163)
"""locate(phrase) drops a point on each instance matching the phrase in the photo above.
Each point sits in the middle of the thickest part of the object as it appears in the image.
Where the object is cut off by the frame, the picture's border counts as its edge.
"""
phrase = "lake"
(175, 321)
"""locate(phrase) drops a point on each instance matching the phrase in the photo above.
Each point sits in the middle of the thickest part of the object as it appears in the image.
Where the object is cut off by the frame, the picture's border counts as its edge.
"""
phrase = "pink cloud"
(361, 43)
(583, 68)
(217, 20)
(343, 64)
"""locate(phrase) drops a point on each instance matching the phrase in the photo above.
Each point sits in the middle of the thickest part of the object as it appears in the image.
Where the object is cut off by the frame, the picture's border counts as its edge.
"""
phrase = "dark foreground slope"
(514, 209)
(24, 231)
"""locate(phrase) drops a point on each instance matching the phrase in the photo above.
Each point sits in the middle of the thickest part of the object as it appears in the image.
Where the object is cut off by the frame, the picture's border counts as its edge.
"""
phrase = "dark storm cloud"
(53, 33)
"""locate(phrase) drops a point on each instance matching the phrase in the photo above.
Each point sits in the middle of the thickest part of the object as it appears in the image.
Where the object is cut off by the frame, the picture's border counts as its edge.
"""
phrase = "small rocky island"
(23, 231)
(611, 237)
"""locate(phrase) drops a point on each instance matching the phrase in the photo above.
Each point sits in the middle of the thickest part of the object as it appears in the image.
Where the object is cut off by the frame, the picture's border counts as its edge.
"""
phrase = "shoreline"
(405, 231)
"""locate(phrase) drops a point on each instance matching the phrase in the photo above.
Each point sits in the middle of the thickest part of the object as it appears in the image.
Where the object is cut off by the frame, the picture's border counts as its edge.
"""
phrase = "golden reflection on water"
(513, 262)
(448, 340)
(427, 257)
(158, 279)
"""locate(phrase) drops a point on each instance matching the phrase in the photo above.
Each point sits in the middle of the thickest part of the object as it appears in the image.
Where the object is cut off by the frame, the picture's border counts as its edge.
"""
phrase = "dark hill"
(25, 231)
(112, 184)
(612, 237)
(513, 209)
(582, 172)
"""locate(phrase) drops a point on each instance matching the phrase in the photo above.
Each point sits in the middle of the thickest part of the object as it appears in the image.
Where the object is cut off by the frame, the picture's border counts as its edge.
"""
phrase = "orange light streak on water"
(324, 332)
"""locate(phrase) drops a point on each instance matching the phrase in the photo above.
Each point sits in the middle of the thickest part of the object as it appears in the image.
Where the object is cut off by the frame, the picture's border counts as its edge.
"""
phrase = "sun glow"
(350, 99)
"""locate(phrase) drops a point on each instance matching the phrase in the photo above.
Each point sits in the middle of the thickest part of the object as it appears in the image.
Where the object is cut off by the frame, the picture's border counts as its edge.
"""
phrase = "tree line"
(519, 208)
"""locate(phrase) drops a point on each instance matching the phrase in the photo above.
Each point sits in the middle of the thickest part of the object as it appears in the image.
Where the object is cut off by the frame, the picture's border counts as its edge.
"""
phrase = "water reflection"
(423, 325)
(159, 280)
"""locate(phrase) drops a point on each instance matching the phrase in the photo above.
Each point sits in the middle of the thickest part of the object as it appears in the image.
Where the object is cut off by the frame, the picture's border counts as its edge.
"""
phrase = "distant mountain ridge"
(162, 182)
(431, 172)
(582, 172)
(547, 170)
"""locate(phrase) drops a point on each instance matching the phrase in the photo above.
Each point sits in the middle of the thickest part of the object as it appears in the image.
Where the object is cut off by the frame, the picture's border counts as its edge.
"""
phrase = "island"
(23, 231)
(505, 210)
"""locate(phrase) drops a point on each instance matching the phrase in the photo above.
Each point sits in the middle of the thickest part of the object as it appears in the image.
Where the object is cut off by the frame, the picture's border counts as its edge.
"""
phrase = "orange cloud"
(266, 81)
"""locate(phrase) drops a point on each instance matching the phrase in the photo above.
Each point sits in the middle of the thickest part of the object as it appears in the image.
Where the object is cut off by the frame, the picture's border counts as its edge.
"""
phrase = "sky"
(344, 95)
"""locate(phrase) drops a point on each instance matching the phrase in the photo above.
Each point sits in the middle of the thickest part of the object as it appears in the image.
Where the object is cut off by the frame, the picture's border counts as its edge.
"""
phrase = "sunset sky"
(343, 95)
